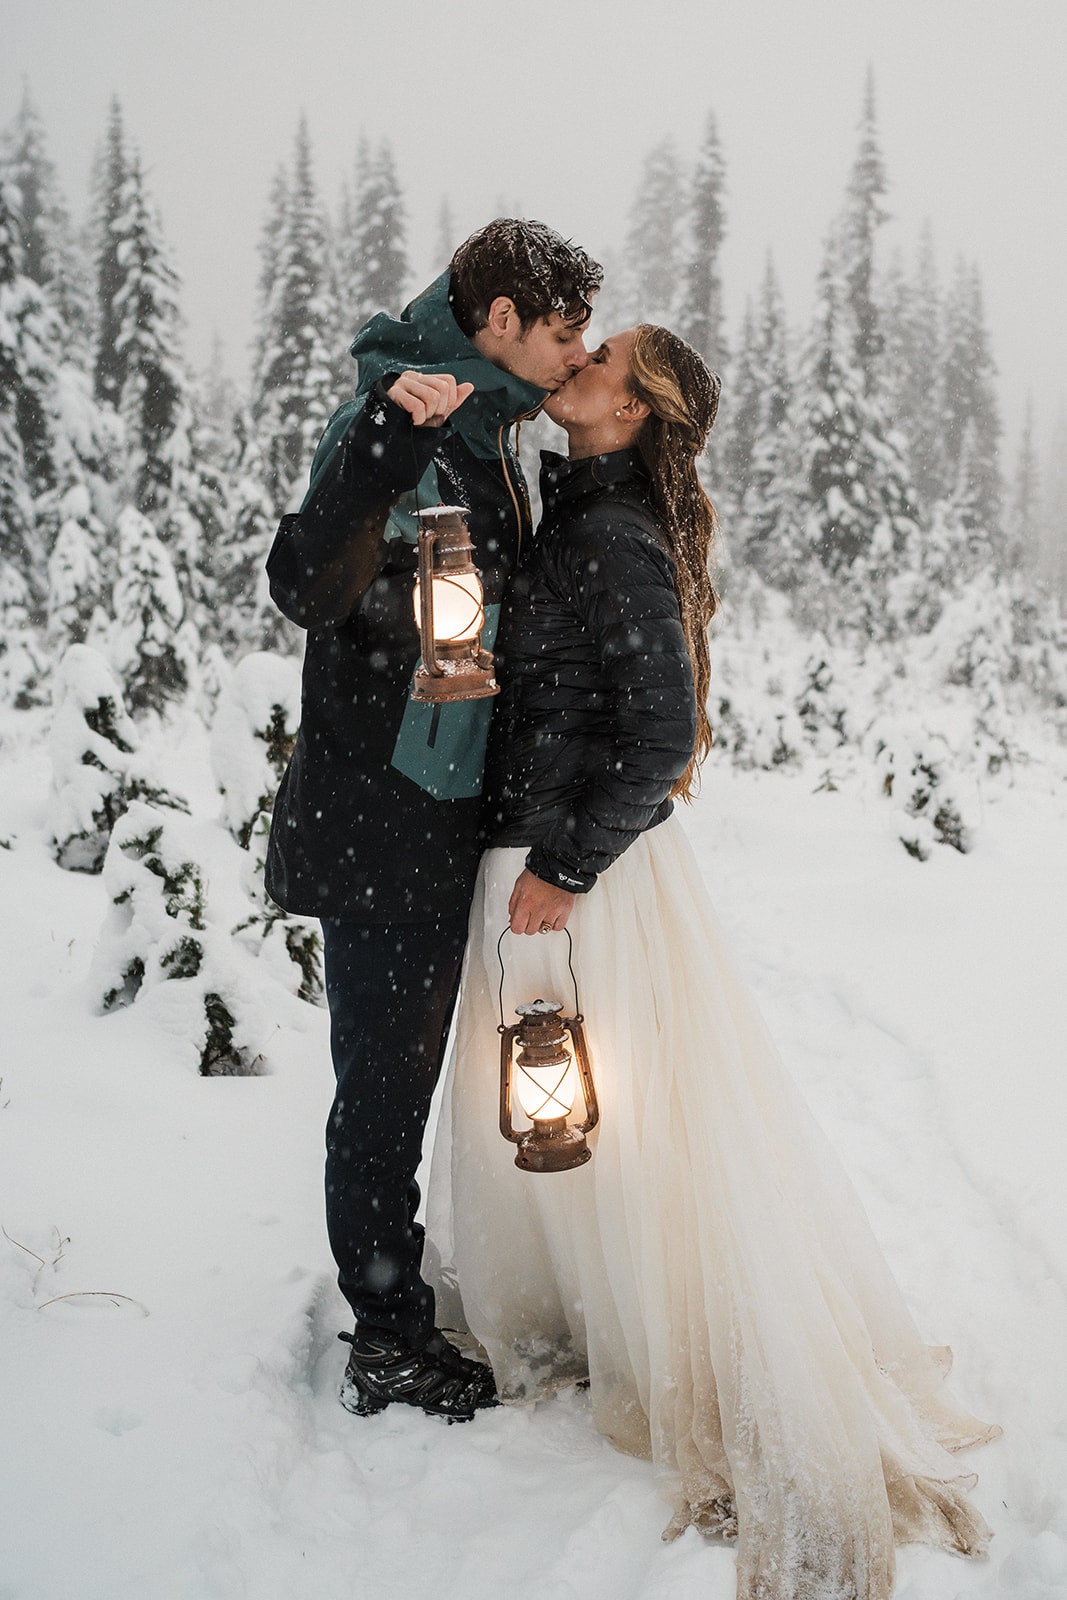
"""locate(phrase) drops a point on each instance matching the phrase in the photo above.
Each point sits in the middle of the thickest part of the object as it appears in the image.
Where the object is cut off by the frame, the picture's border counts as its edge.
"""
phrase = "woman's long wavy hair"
(683, 396)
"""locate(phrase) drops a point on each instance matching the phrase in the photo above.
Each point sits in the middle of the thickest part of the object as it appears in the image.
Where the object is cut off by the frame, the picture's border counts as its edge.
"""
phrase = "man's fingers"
(428, 397)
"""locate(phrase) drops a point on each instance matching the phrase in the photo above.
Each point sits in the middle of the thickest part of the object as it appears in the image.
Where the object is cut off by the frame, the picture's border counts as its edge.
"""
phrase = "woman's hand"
(429, 397)
(538, 907)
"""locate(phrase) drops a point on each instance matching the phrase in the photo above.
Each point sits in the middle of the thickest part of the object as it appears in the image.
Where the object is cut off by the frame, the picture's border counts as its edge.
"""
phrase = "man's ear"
(503, 317)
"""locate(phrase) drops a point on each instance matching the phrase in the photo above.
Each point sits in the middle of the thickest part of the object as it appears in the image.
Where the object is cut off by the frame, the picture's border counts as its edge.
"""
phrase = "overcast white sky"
(549, 108)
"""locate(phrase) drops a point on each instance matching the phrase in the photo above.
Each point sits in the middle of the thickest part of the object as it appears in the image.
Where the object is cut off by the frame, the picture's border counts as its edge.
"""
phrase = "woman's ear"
(636, 410)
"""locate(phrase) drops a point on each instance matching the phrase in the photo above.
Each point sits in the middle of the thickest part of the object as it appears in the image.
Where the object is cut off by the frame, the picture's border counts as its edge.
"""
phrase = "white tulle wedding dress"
(710, 1270)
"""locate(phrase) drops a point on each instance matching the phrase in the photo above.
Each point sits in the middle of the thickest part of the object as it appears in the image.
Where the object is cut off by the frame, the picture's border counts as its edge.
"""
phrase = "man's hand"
(429, 397)
(536, 906)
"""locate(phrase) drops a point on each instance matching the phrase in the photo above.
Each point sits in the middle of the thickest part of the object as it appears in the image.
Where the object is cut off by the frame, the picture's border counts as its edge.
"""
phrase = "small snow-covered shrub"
(21, 665)
(251, 742)
(252, 737)
(157, 942)
(74, 583)
(96, 773)
(916, 770)
(149, 650)
(291, 945)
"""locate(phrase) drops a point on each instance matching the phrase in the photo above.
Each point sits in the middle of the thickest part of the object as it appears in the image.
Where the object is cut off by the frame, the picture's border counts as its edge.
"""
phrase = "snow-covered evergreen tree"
(863, 216)
(75, 583)
(55, 440)
(51, 255)
(252, 739)
(446, 240)
(21, 664)
(1022, 532)
(654, 239)
(773, 498)
(860, 516)
(144, 644)
(97, 770)
(246, 617)
(913, 369)
(740, 425)
(269, 250)
(372, 252)
(158, 948)
(151, 397)
(17, 551)
(110, 173)
(1054, 512)
(294, 389)
(700, 308)
(165, 471)
(970, 421)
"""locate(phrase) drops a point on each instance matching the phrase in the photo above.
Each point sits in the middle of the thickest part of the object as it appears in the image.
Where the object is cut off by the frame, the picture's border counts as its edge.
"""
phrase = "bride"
(710, 1270)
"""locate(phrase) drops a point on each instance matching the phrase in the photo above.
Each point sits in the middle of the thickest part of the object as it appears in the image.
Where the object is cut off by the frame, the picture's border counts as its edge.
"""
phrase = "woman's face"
(595, 394)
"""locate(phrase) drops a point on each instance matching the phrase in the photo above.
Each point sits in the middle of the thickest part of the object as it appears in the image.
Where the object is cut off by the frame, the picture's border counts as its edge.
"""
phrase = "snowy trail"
(199, 1451)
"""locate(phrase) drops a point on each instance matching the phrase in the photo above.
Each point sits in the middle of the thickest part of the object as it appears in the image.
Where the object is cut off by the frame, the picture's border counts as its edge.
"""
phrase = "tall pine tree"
(654, 238)
(970, 421)
(700, 318)
(773, 494)
(863, 217)
(51, 256)
(372, 252)
(294, 384)
(912, 364)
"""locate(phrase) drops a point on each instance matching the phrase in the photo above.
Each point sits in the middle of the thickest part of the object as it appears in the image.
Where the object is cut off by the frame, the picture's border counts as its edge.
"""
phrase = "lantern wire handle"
(570, 967)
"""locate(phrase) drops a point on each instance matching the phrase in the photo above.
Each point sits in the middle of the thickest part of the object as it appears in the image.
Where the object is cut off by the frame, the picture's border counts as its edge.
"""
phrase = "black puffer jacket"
(597, 717)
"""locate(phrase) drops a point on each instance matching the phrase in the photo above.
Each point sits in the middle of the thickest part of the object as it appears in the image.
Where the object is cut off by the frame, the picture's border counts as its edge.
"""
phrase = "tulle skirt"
(710, 1270)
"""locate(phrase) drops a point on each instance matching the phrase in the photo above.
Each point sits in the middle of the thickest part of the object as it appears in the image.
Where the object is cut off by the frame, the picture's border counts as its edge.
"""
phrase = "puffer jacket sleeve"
(621, 584)
(325, 557)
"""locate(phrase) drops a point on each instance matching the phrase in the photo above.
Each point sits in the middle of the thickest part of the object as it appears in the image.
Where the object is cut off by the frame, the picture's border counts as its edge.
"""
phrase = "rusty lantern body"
(450, 612)
(545, 1071)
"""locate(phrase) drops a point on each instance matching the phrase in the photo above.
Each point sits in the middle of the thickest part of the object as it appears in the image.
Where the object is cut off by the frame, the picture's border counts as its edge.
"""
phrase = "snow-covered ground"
(168, 1313)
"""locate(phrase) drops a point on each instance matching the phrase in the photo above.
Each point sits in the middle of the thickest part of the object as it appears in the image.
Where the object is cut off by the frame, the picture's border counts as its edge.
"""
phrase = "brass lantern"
(544, 1061)
(449, 610)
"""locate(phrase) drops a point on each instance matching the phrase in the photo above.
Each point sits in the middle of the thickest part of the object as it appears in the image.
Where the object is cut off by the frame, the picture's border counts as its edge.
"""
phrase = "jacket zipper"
(511, 487)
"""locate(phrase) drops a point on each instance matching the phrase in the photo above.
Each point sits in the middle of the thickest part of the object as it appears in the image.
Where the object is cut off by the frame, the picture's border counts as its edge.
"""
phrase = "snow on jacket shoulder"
(598, 714)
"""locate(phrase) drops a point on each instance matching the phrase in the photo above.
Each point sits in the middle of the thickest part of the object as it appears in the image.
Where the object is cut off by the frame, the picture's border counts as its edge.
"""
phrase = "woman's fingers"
(538, 907)
(428, 397)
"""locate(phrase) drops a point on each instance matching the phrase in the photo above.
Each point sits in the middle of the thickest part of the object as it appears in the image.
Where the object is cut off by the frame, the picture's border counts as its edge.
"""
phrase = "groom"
(375, 827)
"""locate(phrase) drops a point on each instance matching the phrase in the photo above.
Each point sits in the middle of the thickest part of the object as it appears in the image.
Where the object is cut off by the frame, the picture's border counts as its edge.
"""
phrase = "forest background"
(893, 564)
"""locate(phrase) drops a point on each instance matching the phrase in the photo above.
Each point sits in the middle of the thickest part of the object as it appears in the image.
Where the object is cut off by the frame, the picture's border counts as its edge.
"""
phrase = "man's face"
(546, 353)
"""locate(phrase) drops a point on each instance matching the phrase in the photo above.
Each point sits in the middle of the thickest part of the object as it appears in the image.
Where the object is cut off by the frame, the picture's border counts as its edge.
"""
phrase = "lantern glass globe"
(458, 616)
(546, 1093)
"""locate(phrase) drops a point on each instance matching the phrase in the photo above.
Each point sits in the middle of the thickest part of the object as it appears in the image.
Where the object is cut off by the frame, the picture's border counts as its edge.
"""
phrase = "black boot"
(384, 1367)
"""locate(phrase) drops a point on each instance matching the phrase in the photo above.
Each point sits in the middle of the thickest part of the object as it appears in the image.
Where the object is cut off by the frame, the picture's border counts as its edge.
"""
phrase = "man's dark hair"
(530, 264)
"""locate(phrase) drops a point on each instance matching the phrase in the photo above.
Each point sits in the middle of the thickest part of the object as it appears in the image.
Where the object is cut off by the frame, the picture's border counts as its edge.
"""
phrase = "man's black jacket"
(597, 718)
(377, 817)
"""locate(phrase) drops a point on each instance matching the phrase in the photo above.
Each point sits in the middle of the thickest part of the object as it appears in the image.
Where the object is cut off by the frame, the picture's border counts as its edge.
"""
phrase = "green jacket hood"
(427, 338)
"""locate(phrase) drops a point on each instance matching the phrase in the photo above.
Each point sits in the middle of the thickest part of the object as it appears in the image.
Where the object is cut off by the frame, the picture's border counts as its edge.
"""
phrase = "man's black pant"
(391, 989)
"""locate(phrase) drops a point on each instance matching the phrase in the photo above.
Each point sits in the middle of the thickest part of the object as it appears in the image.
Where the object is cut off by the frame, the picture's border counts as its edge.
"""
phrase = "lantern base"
(461, 680)
(552, 1147)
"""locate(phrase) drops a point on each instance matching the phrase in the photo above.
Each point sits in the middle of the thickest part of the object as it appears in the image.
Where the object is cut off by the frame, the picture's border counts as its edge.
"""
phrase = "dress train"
(711, 1269)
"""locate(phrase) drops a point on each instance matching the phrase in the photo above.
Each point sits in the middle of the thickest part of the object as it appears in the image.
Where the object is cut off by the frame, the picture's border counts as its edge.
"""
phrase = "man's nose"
(578, 358)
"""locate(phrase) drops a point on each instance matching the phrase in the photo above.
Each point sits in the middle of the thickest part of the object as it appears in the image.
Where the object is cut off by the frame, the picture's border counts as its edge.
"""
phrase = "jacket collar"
(563, 480)
(427, 338)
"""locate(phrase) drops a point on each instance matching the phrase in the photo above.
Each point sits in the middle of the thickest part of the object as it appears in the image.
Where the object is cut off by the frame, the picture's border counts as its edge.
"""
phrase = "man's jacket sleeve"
(623, 589)
(326, 556)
